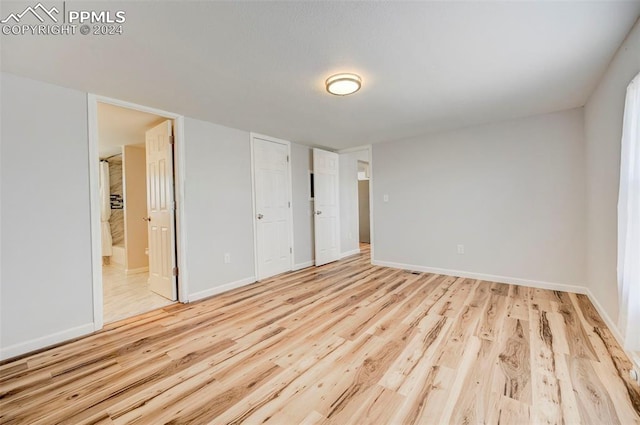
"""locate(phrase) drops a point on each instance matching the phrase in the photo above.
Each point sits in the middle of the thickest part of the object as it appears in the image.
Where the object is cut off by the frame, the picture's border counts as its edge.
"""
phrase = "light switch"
(385, 198)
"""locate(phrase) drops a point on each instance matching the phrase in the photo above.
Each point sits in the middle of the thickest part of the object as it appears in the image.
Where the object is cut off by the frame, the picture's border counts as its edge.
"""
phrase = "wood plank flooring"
(346, 343)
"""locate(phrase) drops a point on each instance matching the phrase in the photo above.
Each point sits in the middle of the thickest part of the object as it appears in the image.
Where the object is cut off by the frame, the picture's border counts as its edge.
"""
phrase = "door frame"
(368, 148)
(254, 136)
(178, 184)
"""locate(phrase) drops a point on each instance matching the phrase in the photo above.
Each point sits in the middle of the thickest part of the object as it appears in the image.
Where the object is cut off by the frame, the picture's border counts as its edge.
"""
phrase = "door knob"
(260, 216)
(318, 212)
(146, 218)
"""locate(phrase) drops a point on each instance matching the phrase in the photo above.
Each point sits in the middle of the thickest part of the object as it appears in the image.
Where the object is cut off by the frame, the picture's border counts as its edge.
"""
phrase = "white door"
(272, 207)
(326, 210)
(160, 211)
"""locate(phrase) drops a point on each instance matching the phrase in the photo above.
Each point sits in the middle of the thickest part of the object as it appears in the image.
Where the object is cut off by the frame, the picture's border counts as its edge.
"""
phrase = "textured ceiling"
(260, 66)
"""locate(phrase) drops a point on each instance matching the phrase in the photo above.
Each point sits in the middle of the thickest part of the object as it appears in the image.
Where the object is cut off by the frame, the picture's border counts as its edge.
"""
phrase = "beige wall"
(135, 205)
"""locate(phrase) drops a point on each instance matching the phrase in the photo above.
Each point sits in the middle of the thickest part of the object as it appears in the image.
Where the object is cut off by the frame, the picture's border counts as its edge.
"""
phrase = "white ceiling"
(260, 66)
(122, 127)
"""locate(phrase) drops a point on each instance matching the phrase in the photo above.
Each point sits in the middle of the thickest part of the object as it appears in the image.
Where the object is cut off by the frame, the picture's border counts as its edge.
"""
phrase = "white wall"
(46, 280)
(45, 288)
(603, 132)
(218, 208)
(303, 238)
(513, 193)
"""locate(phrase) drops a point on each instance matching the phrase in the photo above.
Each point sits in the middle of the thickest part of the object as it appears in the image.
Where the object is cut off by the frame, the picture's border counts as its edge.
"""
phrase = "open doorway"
(364, 212)
(128, 142)
(355, 212)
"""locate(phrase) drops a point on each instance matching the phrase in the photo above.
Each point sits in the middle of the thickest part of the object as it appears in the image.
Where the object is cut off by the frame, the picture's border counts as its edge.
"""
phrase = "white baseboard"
(635, 358)
(220, 289)
(578, 289)
(304, 265)
(138, 270)
(45, 341)
(349, 253)
(613, 327)
(488, 277)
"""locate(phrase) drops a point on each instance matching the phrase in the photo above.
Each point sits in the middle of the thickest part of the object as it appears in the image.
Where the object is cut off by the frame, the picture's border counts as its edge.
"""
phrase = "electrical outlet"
(460, 249)
(385, 198)
(227, 258)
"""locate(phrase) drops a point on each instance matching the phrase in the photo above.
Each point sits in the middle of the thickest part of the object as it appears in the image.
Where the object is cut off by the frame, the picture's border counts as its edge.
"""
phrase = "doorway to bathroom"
(137, 211)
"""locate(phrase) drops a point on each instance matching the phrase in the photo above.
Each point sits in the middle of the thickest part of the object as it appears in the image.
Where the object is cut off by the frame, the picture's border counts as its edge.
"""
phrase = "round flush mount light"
(343, 84)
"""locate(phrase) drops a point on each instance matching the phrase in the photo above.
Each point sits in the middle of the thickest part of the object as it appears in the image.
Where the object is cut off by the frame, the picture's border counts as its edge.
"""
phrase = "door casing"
(369, 149)
(179, 170)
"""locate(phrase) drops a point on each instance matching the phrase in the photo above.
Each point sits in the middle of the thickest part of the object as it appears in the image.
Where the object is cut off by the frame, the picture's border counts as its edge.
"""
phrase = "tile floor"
(127, 295)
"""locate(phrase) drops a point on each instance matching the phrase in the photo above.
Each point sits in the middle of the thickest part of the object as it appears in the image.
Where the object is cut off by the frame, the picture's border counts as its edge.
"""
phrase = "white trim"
(356, 149)
(222, 288)
(180, 169)
(45, 341)
(349, 253)
(253, 208)
(368, 148)
(254, 136)
(611, 324)
(269, 138)
(371, 226)
(94, 201)
(578, 289)
(635, 359)
(304, 265)
(179, 161)
(291, 228)
(138, 270)
(488, 277)
(613, 327)
(137, 107)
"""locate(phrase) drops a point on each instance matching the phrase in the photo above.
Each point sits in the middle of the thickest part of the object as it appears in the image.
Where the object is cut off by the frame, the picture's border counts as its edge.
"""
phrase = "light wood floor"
(127, 295)
(343, 343)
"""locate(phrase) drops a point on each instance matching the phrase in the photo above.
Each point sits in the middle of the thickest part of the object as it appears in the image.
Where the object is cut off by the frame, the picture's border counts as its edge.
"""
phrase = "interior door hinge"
(290, 250)
(289, 204)
(287, 158)
(175, 271)
(172, 140)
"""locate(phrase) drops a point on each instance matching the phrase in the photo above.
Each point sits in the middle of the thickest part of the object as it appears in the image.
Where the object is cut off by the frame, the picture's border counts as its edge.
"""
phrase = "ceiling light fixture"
(343, 84)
